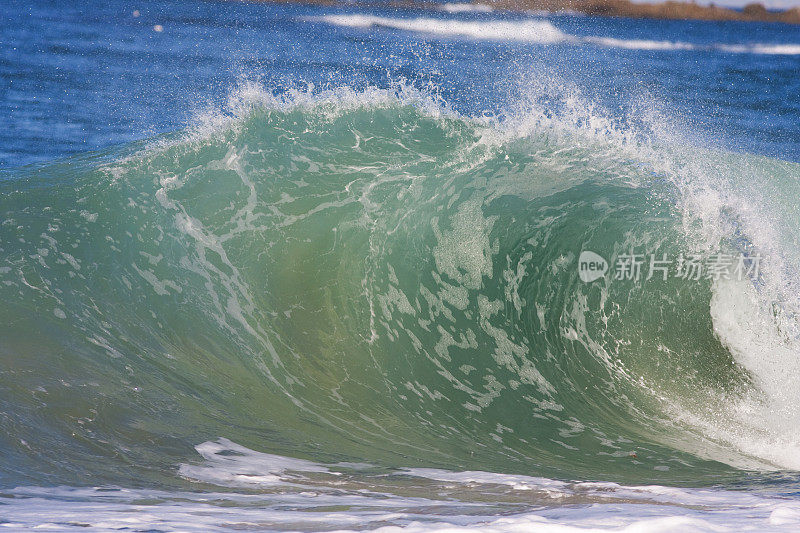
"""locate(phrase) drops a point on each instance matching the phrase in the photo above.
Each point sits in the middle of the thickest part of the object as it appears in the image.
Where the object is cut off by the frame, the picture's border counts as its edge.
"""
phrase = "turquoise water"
(358, 303)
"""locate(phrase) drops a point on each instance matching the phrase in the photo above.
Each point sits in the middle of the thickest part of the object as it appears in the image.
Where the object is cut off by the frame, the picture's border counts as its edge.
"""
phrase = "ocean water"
(278, 267)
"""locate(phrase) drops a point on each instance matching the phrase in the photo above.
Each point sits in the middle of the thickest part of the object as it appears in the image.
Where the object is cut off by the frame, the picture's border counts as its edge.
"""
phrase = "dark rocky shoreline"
(665, 10)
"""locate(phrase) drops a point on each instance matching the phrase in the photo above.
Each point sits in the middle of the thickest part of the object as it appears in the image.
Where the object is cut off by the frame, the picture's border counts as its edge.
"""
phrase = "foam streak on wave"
(535, 31)
(541, 32)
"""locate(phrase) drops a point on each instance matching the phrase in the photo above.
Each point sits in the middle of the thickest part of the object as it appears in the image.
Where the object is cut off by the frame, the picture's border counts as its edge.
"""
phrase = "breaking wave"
(370, 275)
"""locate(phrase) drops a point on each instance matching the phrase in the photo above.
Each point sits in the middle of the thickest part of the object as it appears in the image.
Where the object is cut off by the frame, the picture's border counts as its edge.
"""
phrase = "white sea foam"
(294, 494)
(767, 49)
(535, 30)
(639, 44)
(463, 7)
(644, 44)
(764, 422)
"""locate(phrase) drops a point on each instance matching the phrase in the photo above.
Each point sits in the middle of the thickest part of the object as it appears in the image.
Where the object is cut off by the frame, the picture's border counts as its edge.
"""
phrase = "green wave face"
(381, 282)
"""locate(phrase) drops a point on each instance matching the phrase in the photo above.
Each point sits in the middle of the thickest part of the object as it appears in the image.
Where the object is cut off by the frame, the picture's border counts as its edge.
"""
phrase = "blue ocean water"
(286, 267)
(79, 77)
